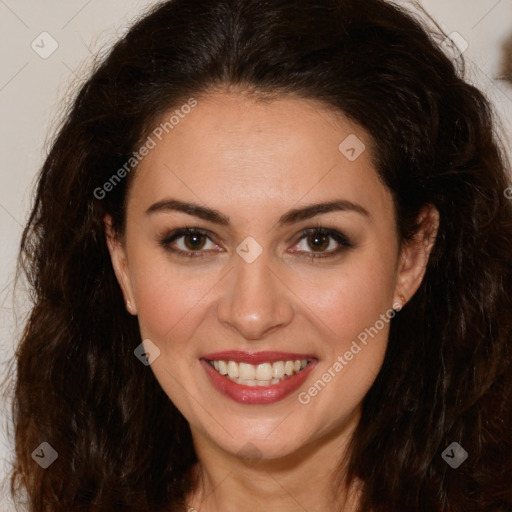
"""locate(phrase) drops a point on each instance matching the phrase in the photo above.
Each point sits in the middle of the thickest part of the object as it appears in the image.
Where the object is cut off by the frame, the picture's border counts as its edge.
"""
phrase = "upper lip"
(255, 357)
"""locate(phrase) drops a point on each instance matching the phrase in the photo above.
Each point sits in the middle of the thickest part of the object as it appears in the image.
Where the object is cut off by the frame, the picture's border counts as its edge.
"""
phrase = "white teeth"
(246, 371)
(232, 369)
(264, 371)
(223, 369)
(278, 370)
(264, 374)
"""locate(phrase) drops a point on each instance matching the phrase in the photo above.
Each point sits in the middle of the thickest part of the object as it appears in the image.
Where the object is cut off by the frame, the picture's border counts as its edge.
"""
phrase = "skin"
(253, 161)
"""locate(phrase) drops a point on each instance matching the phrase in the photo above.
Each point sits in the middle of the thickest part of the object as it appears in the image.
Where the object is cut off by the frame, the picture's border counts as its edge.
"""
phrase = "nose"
(256, 301)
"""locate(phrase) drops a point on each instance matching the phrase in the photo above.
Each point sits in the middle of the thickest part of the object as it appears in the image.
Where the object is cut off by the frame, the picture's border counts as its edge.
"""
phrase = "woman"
(270, 255)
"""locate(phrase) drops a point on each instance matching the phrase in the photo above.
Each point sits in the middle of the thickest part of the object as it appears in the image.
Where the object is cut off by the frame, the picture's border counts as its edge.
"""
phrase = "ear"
(414, 256)
(120, 264)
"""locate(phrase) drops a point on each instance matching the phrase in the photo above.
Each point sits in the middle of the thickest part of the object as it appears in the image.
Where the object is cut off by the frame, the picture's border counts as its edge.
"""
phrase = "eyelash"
(340, 238)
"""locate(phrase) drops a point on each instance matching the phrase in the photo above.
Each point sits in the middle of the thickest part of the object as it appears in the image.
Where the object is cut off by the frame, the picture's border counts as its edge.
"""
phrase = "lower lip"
(256, 394)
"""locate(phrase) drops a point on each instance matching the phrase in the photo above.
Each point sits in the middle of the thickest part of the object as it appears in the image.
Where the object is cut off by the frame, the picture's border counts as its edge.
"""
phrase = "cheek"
(171, 307)
(351, 298)
(170, 299)
(355, 310)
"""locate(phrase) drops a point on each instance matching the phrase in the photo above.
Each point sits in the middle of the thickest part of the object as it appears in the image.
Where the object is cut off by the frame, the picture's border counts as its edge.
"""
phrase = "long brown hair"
(447, 375)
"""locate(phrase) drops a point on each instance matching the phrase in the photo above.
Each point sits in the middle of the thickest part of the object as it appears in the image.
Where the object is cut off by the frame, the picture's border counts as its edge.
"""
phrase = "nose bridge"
(256, 301)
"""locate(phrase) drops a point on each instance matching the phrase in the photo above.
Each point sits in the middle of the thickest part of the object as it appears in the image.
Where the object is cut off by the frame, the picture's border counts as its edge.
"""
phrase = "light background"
(34, 90)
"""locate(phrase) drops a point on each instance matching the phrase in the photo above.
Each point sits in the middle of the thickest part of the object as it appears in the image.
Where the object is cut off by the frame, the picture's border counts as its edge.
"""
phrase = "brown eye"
(194, 241)
(322, 243)
(318, 242)
(189, 242)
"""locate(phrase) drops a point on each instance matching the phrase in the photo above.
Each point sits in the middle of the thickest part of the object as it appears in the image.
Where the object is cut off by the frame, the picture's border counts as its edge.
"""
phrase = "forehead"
(233, 149)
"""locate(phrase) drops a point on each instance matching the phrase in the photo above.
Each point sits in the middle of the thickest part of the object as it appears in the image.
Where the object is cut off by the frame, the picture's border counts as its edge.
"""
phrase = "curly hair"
(447, 373)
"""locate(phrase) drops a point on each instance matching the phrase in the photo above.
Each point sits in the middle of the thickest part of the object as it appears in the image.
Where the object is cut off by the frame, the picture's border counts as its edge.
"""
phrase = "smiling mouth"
(263, 374)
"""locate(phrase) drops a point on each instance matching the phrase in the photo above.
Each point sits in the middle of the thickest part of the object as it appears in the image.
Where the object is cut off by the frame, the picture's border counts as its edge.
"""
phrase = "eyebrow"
(291, 217)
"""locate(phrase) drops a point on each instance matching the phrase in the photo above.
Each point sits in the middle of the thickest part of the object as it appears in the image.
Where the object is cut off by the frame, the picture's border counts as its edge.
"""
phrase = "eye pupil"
(197, 241)
(319, 241)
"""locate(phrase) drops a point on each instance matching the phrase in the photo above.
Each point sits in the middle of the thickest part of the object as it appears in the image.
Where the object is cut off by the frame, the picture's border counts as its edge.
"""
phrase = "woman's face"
(270, 276)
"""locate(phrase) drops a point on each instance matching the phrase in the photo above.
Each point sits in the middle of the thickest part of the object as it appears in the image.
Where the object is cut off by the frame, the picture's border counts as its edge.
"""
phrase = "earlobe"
(120, 264)
(415, 255)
